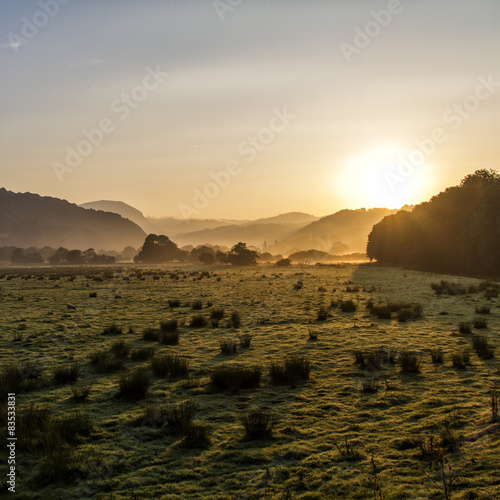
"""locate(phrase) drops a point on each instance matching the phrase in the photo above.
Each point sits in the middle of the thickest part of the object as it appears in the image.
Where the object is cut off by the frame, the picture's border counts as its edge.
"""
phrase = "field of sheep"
(180, 382)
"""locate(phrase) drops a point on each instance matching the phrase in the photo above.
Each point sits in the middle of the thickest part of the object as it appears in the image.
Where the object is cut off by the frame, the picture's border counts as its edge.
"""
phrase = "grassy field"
(349, 404)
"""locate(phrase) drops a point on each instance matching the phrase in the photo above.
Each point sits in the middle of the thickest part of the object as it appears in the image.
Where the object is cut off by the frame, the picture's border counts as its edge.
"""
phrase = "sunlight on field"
(381, 412)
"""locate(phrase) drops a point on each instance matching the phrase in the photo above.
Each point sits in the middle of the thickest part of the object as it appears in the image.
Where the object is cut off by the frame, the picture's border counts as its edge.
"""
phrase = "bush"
(236, 377)
(134, 385)
(64, 374)
(142, 353)
(235, 320)
(217, 314)
(347, 306)
(258, 423)
(410, 363)
(151, 334)
(112, 329)
(480, 323)
(322, 314)
(228, 346)
(169, 365)
(437, 355)
(464, 327)
(481, 346)
(169, 325)
(169, 338)
(198, 322)
(293, 368)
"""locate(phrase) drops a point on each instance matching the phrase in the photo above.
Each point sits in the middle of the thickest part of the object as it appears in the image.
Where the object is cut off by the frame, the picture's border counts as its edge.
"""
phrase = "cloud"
(13, 45)
(88, 63)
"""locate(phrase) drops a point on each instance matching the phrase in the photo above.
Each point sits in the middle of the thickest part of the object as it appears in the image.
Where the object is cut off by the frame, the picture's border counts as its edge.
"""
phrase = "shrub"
(483, 310)
(293, 368)
(169, 325)
(410, 363)
(134, 385)
(142, 353)
(322, 314)
(245, 340)
(151, 334)
(480, 323)
(169, 365)
(64, 374)
(258, 423)
(228, 346)
(460, 359)
(112, 329)
(437, 355)
(169, 338)
(81, 393)
(174, 303)
(120, 349)
(481, 346)
(236, 377)
(217, 314)
(347, 306)
(464, 327)
(198, 322)
(197, 305)
(235, 320)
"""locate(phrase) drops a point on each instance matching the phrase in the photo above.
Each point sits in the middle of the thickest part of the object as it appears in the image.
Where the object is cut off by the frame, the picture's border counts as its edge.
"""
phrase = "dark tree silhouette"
(160, 249)
(240, 255)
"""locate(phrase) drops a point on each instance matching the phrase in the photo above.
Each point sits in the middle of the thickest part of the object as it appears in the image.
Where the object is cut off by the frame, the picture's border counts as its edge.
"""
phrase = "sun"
(385, 177)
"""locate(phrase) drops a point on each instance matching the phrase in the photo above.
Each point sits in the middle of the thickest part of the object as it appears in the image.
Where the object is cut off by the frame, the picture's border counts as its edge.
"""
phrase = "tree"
(284, 263)
(160, 249)
(240, 255)
(207, 258)
(60, 257)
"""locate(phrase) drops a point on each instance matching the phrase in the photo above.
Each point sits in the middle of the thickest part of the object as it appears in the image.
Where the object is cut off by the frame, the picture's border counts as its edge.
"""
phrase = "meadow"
(342, 381)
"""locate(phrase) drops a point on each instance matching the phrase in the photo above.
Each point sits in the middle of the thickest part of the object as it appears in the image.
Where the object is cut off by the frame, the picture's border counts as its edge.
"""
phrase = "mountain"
(118, 207)
(343, 232)
(30, 220)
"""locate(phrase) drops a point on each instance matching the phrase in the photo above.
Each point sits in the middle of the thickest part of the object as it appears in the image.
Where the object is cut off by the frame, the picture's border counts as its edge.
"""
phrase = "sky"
(240, 109)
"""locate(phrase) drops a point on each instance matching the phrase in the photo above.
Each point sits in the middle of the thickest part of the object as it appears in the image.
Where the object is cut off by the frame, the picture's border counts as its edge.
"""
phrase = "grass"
(483, 310)
(217, 314)
(150, 334)
(228, 346)
(369, 386)
(480, 323)
(169, 365)
(465, 327)
(198, 321)
(234, 377)
(258, 423)
(437, 356)
(180, 416)
(67, 373)
(169, 325)
(174, 303)
(347, 305)
(120, 349)
(245, 340)
(382, 312)
(235, 320)
(81, 393)
(291, 370)
(461, 359)
(409, 362)
(105, 360)
(322, 314)
(197, 305)
(482, 346)
(112, 329)
(142, 353)
(169, 337)
(134, 385)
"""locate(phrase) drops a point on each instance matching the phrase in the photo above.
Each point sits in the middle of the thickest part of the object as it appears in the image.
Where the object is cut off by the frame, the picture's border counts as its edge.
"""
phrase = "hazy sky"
(306, 106)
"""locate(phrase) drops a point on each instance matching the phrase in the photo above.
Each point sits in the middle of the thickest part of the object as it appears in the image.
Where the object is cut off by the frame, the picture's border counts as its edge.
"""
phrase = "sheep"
(71, 306)
(118, 296)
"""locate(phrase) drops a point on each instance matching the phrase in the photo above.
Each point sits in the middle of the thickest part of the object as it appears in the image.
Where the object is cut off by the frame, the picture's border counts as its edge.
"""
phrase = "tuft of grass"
(134, 385)
(169, 338)
(234, 377)
(480, 323)
(482, 347)
(382, 312)
(313, 335)
(347, 305)
(460, 359)
(322, 314)
(235, 320)
(369, 386)
(292, 369)
(409, 362)
(217, 314)
(120, 349)
(64, 374)
(258, 423)
(174, 303)
(151, 334)
(196, 435)
(197, 305)
(198, 322)
(228, 346)
(169, 325)
(80, 393)
(105, 360)
(437, 356)
(483, 309)
(465, 327)
(112, 329)
(179, 417)
(245, 340)
(347, 452)
(169, 365)
(11, 380)
(142, 353)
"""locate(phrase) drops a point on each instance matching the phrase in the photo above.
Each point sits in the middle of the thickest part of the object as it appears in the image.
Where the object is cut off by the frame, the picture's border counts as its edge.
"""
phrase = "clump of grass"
(151, 334)
(313, 335)
(170, 365)
(92, 295)
(482, 347)
(217, 314)
(64, 374)
(134, 385)
(81, 393)
(347, 452)
(169, 325)
(198, 322)
(461, 359)
(465, 327)
(105, 360)
(120, 349)
(228, 346)
(258, 423)
(11, 380)
(142, 353)
(292, 369)
(169, 338)
(347, 305)
(369, 386)
(382, 312)
(112, 329)
(179, 417)
(352, 289)
(174, 303)
(404, 315)
(245, 340)
(196, 435)
(234, 377)
(437, 356)
(322, 314)
(480, 323)
(197, 305)
(215, 323)
(409, 362)
(235, 320)
(483, 309)
(373, 358)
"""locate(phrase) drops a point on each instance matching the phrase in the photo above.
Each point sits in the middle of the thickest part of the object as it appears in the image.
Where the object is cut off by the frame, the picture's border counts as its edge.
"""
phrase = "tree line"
(457, 231)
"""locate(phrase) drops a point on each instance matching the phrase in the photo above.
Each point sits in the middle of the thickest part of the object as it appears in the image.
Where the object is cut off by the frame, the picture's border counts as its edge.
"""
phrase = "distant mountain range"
(30, 220)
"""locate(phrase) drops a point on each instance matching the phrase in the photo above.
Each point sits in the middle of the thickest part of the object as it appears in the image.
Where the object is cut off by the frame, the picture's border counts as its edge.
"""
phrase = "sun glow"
(386, 177)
